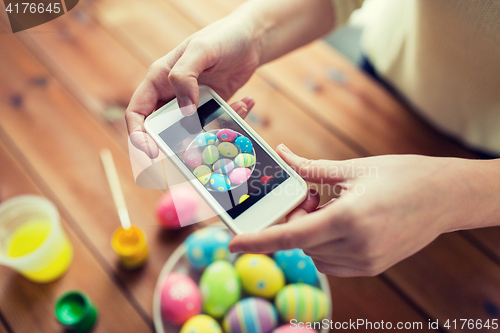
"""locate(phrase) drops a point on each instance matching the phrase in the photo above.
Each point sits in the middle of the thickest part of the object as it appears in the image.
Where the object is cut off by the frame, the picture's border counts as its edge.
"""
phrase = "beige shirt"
(444, 56)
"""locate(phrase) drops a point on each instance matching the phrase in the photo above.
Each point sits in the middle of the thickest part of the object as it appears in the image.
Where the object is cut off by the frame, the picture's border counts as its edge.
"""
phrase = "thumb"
(303, 232)
(316, 171)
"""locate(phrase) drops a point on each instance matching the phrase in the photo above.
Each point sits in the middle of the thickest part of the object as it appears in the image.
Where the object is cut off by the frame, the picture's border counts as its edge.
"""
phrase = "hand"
(389, 207)
(223, 56)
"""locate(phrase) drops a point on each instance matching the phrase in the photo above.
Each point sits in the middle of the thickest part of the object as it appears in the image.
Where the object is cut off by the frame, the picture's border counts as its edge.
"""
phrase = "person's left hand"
(388, 208)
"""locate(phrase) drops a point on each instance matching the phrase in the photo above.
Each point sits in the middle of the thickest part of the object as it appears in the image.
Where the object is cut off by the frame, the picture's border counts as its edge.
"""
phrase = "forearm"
(280, 26)
(480, 185)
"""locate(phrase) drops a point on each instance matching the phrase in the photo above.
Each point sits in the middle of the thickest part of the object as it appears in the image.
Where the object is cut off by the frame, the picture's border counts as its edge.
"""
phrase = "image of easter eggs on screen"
(222, 159)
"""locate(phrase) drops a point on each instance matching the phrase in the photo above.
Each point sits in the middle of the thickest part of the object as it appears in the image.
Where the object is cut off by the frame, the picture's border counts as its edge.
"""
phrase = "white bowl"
(178, 263)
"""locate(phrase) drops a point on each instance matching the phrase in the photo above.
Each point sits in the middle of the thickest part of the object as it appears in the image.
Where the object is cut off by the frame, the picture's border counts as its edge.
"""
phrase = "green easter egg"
(220, 287)
(210, 154)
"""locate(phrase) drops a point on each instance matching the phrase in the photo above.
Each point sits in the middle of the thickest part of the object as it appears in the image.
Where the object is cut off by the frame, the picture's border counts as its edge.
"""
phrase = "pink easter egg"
(240, 175)
(292, 329)
(177, 208)
(180, 298)
(192, 158)
(226, 135)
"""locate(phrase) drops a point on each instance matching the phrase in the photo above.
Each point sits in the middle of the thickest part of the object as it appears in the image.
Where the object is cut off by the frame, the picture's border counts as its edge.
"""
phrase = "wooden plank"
(3, 329)
(486, 238)
(27, 306)
(63, 147)
(450, 274)
(77, 181)
(83, 57)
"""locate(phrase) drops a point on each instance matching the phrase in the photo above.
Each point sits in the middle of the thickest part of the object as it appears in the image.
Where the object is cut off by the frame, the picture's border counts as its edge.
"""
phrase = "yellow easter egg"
(203, 173)
(201, 324)
(243, 198)
(260, 276)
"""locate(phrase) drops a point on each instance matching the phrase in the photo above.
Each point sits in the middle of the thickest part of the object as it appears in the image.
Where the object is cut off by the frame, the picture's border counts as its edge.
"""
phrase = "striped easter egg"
(251, 315)
(224, 165)
(210, 154)
(302, 302)
(244, 160)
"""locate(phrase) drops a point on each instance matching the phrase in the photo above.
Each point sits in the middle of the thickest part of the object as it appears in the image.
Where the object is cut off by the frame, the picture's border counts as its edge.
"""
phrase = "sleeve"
(343, 10)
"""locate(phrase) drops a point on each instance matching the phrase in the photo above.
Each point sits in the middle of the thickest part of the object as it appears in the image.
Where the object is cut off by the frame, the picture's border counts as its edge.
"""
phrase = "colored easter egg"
(220, 183)
(227, 149)
(203, 173)
(223, 165)
(210, 154)
(177, 208)
(297, 266)
(220, 287)
(226, 135)
(265, 179)
(180, 298)
(192, 158)
(260, 276)
(201, 324)
(243, 198)
(251, 315)
(302, 302)
(244, 160)
(294, 328)
(207, 245)
(240, 175)
(205, 139)
(244, 144)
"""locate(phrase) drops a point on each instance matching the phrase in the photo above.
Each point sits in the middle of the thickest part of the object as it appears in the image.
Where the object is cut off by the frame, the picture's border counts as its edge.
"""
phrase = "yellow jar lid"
(129, 242)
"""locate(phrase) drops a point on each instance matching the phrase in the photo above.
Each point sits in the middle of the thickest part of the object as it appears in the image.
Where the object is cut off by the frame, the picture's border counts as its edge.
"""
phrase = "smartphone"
(241, 178)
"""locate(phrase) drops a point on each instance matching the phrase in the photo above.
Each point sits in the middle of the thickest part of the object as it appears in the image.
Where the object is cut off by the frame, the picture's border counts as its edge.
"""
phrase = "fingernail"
(187, 106)
(251, 104)
(285, 149)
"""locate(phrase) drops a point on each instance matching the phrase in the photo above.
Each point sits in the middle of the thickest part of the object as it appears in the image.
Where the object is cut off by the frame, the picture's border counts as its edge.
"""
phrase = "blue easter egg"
(297, 266)
(220, 183)
(244, 144)
(207, 245)
(205, 139)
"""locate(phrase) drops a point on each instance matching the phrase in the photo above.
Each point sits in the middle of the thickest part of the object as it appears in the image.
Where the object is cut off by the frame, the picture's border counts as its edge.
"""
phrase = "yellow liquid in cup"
(28, 238)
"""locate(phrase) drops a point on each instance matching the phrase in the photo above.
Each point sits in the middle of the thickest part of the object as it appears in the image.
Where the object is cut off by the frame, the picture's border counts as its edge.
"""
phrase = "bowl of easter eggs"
(221, 159)
(203, 288)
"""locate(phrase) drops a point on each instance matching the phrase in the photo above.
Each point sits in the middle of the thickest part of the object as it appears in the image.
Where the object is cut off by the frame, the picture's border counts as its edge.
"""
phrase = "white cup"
(27, 221)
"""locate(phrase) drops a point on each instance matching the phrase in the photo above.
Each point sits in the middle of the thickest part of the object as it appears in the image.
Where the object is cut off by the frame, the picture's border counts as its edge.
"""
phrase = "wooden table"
(63, 89)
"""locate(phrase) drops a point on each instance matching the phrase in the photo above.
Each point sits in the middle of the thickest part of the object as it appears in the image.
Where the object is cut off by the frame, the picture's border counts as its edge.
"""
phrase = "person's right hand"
(222, 56)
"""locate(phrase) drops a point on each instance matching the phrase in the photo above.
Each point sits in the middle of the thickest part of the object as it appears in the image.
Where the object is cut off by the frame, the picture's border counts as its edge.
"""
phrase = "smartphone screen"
(233, 168)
